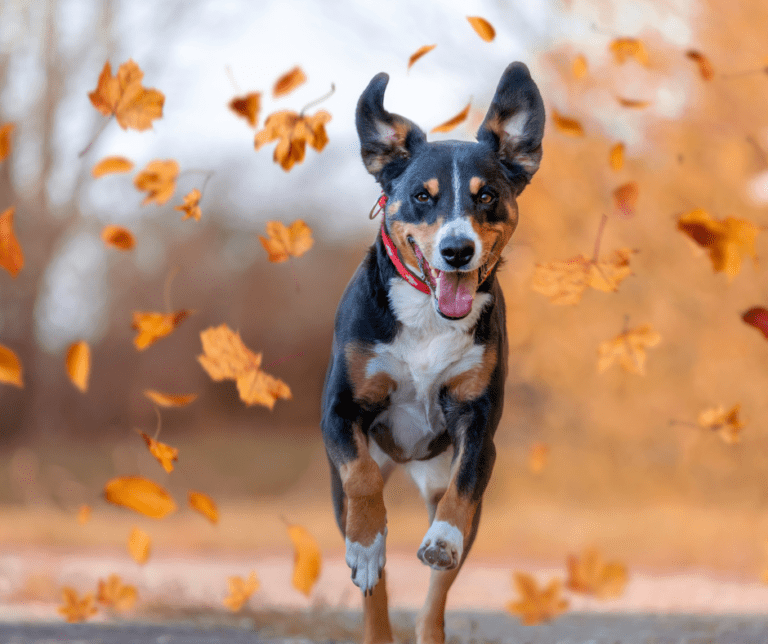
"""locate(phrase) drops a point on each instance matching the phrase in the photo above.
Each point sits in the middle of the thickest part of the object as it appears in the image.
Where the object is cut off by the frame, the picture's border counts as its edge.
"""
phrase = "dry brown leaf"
(116, 595)
(633, 103)
(204, 504)
(580, 67)
(564, 282)
(79, 364)
(247, 106)
(124, 97)
(289, 82)
(628, 349)
(284, 241)
(725, 422)
(5, 140)
(169, 400)
(240, 591)
(158, 180)
(616, 157)
(84, 514)
(141, 495)
(567, 125)
(453, 121)
(11, 255)
(482, 28)
(118, 237)
(191, 205)
(625, 199)
(293, 133)
(421, 51)
(588, 573)
(10, 368)
(165, 454)
(75, 609)
(625, 48)
(705, 66)
(307, 559)
(757, 317)
(153, 326)
(537, 605)
(728, 241)
(111, 165)
(139, 544)
(537, 457)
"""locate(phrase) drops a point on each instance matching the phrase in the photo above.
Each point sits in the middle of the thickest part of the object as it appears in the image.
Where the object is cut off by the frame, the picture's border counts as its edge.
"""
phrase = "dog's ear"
(514, 125)
(387, 141)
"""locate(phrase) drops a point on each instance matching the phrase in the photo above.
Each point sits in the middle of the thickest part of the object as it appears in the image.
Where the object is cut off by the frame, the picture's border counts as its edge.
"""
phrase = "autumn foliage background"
(614, 460)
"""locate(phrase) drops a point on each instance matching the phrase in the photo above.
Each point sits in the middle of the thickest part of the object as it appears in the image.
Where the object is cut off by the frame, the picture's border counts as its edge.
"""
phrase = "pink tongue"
(456, 292)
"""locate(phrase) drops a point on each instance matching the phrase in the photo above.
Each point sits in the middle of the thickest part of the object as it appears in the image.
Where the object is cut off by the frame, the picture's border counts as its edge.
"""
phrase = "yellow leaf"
(141, 495)
(537, 457)
(205, 505)
(726, 423)
(626, 48)
(112, 165)
(625, 198)
(591, 575)
(567, 125)
(537, 605)
(191, 205)
(139, 544)
(158, 180)
(289, 82)
(452, 122)
(247, 106)
(165, 454)
(116, 595)
(84, 514)
(705, 66)
(259, 388)
(240, 590)
(482, 27)
(285, 241)
(293, 132)
(79, 365)
(616, 157)
(307, 560)
(119, 237)
(169, 400)
(74, 608)
(5, 140)
(580, 67)
(421, 51)
(11, 255)
(628, 349)
(10, 367)
(153, 326)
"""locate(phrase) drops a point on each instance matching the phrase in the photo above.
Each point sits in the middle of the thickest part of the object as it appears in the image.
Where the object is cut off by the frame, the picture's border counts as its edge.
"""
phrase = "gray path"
(463, 628)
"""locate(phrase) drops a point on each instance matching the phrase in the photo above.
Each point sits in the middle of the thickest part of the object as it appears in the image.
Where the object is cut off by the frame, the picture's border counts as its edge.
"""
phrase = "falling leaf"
(79, 364)
(240, 591)
(727, 240)
(633, 103)
(111, 165)
(567, 125)
(74, 608)
(758, 318)
(482, 27)
(616, 157)
(119, 237)
(726, 423)
(421, 51)
(307, 559)
(191, 205)
(453, 122)
(169, 400)
(84, 514)
(537, 605)
(247, 106)
(225, 357)
(625, 48)
(116, 595)
(288, 82)
(564, 282)
(124, 97)
(628, 349)
(5, 140)
(158, 180)
(10, 367)
(294, 132)
(141, 495)
(537, 457)
(580, 67)
(284, 241)
(205, 505)
(589, 574)
(11, 256)
(139, 544)
(625, 199)
(165, 454)
(153, 326)
(705, 66)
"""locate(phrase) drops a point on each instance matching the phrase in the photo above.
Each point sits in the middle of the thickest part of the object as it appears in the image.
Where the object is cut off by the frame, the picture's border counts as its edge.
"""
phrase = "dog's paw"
(367, 562)
(442, 546)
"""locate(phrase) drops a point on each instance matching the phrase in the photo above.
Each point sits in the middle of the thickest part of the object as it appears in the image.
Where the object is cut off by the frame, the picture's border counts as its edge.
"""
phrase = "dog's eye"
(421, 197)
(485, 197)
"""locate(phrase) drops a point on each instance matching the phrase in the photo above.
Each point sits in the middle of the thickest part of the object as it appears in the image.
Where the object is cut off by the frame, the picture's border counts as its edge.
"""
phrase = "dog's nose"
(457, 251)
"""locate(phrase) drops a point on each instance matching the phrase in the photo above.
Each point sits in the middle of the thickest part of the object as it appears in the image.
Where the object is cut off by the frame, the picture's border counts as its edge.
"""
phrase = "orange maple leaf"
(289, 82)
(705, 66)
(240, 591)
(537, 605)
(158, 180)
(294, 131)
(566, 124)
(421, 51)
(169, 400)
(141, 495)
(165, 454)
(79, 364)
(626, 48)
(139, 544)
(191, 205)
(580, 67)
(204, 504)
(284, 241)
(247, 106)
(10, 367)
(588, 573)
(725, 422)
(118, 237)
(452, 122)
(116, 595)
(616, 157)
(625, 198)
(74, 608)
(628, 349)
(307, 561)
(11, 256)
(111, 165)
(5, 140)
(123, 97)
(153, 326)
(482, 28)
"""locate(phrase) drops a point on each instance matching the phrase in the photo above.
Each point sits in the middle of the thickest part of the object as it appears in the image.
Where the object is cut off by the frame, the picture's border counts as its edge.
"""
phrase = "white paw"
(442, 546)
(367, 562)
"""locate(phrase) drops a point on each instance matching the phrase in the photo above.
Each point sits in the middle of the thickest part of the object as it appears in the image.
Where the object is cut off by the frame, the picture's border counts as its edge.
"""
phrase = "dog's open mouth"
(454, 291)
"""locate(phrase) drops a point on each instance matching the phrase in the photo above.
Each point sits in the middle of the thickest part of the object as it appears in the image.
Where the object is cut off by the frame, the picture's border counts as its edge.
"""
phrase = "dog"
(419, 356)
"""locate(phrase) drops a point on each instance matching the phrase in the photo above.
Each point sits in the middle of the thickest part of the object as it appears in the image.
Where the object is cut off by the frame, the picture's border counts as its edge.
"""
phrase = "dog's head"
(451, 205)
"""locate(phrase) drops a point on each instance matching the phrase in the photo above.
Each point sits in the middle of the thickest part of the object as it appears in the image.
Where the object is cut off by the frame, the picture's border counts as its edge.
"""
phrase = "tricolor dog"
(416, 376)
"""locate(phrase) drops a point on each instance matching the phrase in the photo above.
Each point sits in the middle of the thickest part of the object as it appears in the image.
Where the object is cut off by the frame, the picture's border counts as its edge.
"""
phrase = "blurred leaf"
(153, 326)
(111, 165)
(124, 97)
(10, 367)
(141, 495)
(116, 595)
(169, 400)
(240, 591)
(284, 241)
(726, 423)
(79, 364)
(205, 505)
(259, 388)
(191, 205)
(482, 27)
(289, 82)
(589, 574)
(294, 131)
(84, 514)
(537, 457)
(139, 544)
(625, 198)
(75, 609)
(580, 67)
(5, 140)
(758, 318)
(165, 454)
(307, 559)
(616, 157)
(247, 106)
(632, 103)
(158, 180)
(11, 255)
(118, 237)
(625, 48)
(628, 349)
(452, 122)
(567, 125)
(705, 66)
(537, 605)
(421, 51)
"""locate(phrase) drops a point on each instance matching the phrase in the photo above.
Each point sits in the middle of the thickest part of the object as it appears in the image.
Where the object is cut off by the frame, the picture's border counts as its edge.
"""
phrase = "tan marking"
(376, 628)
(395, 143)
(475, 183)
(393, 207)
(432, 186)
(430, 620)
(423, 235)
(368, 390)
(495, 237)
(470, 384)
